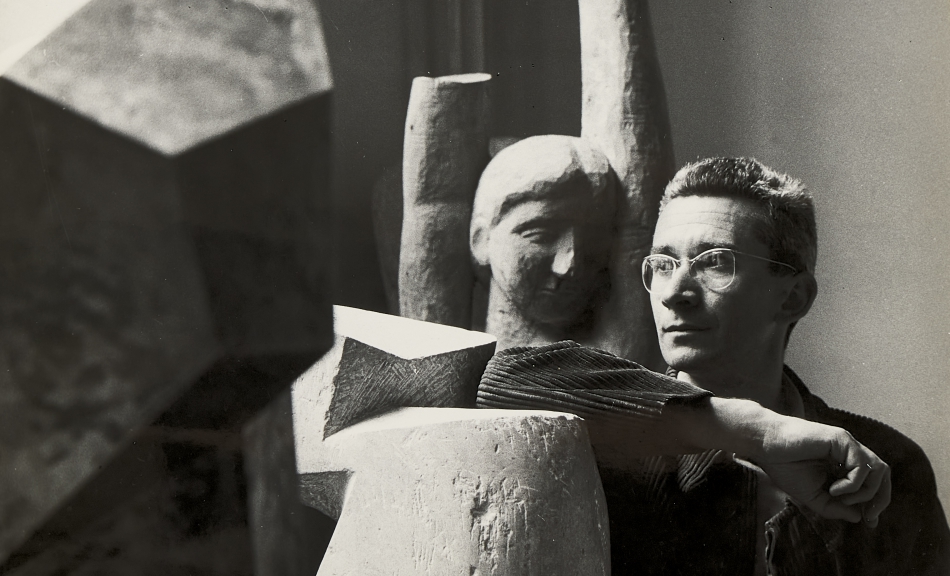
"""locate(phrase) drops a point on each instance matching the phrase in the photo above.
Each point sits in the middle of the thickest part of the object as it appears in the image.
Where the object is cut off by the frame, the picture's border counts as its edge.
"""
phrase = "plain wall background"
(851, 96)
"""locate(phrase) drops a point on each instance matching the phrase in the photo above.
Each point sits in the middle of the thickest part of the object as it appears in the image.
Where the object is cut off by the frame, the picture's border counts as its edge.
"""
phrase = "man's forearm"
(730, 424)
(733, 425)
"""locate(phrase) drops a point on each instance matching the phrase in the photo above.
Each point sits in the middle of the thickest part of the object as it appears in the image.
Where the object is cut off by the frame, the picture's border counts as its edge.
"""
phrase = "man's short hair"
(788, 224)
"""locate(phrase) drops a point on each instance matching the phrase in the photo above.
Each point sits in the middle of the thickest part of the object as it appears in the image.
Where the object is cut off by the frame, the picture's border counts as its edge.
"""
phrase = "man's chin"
(686, 358)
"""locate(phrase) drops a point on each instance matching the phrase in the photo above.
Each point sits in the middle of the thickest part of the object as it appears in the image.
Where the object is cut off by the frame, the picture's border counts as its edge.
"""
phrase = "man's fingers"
(880, 501)
(829, 471)
(834, 510)
(866, 486)
(875, 494)
(872, 484)
(853, 483)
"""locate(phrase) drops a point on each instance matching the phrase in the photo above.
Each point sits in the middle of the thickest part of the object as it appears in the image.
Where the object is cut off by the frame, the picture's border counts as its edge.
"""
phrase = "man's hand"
(825, 469)
(819, 466)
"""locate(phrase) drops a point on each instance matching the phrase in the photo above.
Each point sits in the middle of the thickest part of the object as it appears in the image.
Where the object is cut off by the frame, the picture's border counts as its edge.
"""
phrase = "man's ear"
(478, 241)
(799, 298)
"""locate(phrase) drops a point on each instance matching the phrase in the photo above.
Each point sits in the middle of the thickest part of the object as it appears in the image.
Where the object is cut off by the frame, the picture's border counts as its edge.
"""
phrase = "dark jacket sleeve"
(912, 536)
(931, 549)
(568, 377)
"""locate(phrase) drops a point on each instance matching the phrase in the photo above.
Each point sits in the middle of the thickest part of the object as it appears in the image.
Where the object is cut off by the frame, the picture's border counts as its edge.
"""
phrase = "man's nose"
(564, 259)
(681, 289)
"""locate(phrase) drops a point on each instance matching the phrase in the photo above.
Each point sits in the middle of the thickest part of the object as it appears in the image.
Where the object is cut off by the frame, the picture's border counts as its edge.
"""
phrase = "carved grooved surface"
(379, 363)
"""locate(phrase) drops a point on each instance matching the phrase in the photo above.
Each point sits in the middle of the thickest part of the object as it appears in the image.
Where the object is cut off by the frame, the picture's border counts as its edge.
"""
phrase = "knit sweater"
(568, 377)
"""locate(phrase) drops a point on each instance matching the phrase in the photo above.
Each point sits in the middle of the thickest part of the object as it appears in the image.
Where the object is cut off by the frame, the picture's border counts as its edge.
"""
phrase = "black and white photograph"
(474, 287)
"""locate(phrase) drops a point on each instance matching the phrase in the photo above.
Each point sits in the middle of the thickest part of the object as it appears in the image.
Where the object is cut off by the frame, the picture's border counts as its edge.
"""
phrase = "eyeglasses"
(715, 269)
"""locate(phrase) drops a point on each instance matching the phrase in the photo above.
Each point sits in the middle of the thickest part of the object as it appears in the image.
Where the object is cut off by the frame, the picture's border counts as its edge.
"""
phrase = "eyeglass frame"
(690, 261)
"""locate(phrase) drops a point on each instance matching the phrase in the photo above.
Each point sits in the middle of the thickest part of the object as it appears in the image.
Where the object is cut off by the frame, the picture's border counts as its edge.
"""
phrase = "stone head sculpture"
(542, 224)
(609, 183)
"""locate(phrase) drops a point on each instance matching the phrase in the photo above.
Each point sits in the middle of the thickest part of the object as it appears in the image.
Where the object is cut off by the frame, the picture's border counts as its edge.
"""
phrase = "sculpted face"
(703, 330)
(546, 255)
(543, 225)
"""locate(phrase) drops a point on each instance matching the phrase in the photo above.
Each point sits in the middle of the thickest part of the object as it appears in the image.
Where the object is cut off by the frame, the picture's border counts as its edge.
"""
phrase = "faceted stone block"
(163, 253)
(378, 363)
(183, 501)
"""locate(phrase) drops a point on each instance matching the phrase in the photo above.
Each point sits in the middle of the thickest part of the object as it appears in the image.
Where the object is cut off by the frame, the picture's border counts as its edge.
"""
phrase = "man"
(730, 274)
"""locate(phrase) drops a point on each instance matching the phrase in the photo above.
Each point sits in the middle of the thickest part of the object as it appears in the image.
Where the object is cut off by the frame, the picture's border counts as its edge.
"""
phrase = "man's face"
(707, 331)
(547, 255)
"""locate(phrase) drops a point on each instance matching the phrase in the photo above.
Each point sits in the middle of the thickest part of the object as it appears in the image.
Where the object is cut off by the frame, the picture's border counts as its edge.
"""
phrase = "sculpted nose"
(564, 259)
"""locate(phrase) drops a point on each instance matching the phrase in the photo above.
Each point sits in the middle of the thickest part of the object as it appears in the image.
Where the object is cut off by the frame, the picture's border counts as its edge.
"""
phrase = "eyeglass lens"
(714, 269)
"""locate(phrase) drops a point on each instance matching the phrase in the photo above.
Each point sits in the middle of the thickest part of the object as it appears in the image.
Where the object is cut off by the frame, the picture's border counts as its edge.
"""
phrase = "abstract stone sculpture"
(542, 223)
(425, 490)
(624, 114)
(445, 149)
(164, 243)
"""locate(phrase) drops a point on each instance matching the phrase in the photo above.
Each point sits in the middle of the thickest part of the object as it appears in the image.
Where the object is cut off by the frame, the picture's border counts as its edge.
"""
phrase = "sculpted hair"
(535, 168)
(538, 168)
(788, 224)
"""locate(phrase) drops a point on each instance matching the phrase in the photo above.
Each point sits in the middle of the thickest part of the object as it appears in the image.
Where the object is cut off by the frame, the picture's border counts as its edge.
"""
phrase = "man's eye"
(663, 265)
(713, 261)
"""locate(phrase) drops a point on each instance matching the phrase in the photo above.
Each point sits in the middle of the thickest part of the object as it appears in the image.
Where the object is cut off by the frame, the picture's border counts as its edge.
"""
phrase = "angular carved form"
(624, 114)
(445, 150)
(378, 363)
(542, 224)
(163, 282)
(439, 490)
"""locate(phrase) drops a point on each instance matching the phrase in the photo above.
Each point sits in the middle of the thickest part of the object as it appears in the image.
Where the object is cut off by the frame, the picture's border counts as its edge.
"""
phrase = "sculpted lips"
(683, 328)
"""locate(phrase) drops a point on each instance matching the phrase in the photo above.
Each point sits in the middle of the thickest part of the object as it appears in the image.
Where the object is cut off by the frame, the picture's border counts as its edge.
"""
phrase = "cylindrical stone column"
(461, 492)
(444, 153)
(624, 113)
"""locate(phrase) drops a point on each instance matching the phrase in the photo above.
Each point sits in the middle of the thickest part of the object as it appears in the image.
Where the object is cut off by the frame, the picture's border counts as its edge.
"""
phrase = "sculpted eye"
(538, 234)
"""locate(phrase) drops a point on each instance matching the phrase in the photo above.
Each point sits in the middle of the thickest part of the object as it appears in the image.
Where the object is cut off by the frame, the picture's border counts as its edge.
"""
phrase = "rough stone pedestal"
(462, 492)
